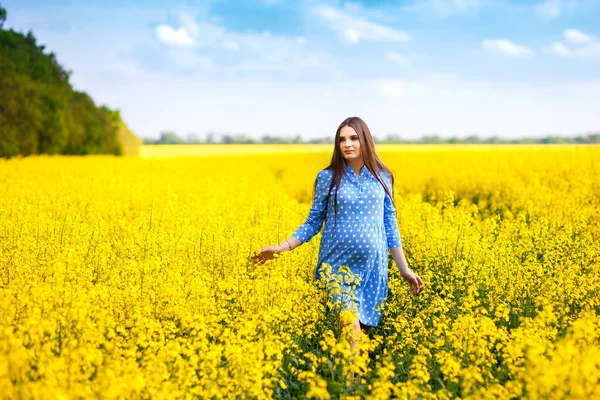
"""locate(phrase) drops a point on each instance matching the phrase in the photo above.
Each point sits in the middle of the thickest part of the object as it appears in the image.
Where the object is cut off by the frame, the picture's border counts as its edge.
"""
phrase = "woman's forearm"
(291, 241)
(398, 254)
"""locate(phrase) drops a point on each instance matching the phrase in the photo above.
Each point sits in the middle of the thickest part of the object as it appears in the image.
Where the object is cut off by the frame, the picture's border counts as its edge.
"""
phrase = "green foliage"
(2, 16)
(41, 113)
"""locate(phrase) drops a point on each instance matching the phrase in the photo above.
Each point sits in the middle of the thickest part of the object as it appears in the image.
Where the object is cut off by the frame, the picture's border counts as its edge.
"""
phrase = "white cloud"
(574, 36)
(583, 46)
(351, 35)
(549, 9)
(552, 9)
(190, 33)
(256, 52)
(505, 47)
(174, 37)
(353, 29)
(395, 57)
(560, 49)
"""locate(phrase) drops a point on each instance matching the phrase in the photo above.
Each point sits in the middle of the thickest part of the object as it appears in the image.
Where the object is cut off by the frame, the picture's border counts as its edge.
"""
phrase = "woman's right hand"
(266, 253)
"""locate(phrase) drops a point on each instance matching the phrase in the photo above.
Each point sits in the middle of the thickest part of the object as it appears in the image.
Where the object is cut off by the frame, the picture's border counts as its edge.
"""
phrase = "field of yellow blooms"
(126, 277)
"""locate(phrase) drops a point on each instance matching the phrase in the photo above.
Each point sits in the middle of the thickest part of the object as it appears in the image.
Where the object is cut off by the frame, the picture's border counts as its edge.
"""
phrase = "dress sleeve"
(317, 213)
(389, 217)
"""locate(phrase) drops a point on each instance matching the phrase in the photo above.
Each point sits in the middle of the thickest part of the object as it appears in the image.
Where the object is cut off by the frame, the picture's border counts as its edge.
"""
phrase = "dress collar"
(363, 170)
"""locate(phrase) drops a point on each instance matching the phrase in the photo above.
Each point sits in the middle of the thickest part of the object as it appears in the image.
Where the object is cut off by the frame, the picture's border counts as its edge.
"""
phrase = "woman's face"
(349, 143)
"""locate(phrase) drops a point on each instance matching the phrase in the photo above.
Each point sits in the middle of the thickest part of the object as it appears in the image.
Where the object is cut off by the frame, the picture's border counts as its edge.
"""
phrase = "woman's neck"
(356, 164)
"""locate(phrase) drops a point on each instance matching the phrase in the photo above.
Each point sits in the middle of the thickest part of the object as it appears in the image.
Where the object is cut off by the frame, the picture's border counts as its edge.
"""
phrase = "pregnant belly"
(361, 244)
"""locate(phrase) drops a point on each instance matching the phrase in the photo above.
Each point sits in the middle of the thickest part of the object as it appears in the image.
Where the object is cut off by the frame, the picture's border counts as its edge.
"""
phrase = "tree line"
(41, 113)
(170, 137)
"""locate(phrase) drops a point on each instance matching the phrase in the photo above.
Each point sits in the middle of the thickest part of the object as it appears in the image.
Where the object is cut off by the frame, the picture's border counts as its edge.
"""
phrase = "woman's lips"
(349, 151)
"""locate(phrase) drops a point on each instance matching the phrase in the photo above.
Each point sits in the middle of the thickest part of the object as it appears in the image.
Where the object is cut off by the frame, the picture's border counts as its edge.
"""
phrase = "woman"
(360, 222)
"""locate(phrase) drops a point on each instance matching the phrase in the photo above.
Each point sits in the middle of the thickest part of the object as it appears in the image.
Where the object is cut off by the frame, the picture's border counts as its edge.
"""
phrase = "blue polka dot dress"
(365, 228)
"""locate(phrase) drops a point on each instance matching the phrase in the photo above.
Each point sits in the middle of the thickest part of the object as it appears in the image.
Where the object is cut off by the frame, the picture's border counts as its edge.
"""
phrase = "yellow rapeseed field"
(127, 277)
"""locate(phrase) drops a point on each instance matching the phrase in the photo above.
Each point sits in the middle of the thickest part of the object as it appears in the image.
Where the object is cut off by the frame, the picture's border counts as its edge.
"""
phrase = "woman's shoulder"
(324, 177)
(384, 172)
(386, 175)
(325, 173)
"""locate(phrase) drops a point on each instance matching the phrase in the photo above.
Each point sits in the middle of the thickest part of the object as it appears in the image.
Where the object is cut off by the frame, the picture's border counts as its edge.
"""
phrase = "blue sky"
(413, 68)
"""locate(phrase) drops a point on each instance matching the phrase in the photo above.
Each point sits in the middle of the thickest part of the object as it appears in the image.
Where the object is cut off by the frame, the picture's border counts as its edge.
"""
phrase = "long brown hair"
(370, 158)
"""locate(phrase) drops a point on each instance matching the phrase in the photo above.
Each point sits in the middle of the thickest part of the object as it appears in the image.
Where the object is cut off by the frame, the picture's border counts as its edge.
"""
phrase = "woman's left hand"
(416, 284)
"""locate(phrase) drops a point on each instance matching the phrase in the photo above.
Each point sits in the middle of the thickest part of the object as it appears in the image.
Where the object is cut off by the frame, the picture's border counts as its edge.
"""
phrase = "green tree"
(41, 113)
(169, 137)
(2, 16)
